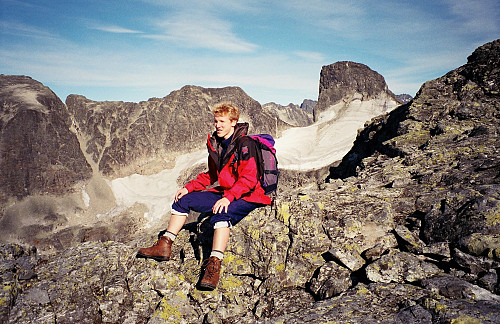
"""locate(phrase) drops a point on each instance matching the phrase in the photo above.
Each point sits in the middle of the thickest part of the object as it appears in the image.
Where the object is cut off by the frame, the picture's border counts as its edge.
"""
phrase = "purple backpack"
(267, 164)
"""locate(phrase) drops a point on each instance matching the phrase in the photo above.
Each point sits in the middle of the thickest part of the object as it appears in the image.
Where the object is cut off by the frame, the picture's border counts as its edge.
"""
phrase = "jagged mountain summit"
(404, 98)
(349, 81)
(308, 105)
(406, 231)
(292, 114)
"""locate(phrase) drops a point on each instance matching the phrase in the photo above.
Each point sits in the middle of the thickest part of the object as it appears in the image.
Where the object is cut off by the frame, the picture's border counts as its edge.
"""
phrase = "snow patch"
(85, 198)
(155, 191)
(27, 95)
(330, 138)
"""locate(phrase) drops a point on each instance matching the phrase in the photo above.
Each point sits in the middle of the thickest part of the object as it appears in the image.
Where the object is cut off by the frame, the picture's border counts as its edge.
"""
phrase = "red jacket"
(235, 180)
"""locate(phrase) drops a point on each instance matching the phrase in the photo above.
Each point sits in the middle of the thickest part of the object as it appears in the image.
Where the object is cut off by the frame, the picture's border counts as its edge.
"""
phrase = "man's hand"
(180, 193)
(220, 206)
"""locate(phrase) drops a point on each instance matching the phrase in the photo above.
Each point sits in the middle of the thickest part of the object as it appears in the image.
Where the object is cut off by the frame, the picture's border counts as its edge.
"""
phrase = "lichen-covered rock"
(332, 279)
(461, 311)
(400, 267)
(452, 287)
(482, 244)
(376, 303)
(412, 242)
(16, 268)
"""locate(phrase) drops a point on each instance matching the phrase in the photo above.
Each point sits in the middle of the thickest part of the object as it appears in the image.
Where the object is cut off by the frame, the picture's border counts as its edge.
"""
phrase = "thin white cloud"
(20, 4)
(116, 30)
(213, 5)
(310, 56)
(339, 16)
(476, 16)
(202, 30)
(20, 29)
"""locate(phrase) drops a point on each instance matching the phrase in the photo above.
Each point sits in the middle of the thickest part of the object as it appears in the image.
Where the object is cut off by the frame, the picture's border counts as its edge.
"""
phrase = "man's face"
(224, 126)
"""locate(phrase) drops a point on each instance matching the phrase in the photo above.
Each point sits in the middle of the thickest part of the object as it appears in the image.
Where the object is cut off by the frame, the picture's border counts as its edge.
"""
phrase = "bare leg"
(175, 224)
(221, 238)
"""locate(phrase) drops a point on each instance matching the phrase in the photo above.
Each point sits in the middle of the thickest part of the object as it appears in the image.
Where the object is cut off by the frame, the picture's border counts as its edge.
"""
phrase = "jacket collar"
(215, 150)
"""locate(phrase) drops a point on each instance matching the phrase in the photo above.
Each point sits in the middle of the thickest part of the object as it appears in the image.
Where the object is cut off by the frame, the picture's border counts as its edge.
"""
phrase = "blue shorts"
(203, 201)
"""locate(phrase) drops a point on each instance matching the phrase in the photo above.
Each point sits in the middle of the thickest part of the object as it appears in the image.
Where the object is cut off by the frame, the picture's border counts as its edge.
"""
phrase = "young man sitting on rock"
(237, 193)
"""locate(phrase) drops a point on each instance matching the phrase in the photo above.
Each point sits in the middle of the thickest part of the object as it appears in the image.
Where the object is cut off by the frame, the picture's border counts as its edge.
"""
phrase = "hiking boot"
(160, 251)
(211, 270)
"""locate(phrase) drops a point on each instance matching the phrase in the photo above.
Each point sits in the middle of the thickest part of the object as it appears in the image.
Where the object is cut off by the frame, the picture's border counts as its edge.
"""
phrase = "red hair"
(226, 109)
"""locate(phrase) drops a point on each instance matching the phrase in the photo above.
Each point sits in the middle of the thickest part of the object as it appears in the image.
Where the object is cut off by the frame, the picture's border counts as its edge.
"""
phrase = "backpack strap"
(238, 154)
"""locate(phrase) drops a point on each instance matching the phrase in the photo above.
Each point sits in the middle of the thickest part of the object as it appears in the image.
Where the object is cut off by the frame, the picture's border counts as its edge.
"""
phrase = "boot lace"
(210, 269)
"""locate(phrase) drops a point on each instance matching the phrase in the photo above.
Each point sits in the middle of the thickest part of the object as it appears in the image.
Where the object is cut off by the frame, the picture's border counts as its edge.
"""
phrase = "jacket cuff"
(189, 187)
(229, 196)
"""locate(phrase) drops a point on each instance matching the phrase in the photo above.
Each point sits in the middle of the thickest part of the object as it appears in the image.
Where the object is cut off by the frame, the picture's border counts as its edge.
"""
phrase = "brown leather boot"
(160, 251)
(211, 271)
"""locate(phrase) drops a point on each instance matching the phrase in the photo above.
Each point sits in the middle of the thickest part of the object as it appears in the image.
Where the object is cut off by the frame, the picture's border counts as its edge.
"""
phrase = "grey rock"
(331, 280)
(351, 259)
(455, 288)
(414, 315)
(412, 242)
(291, 114)
(343, 80)
(401, 267)
(40, 155)
(473, 264)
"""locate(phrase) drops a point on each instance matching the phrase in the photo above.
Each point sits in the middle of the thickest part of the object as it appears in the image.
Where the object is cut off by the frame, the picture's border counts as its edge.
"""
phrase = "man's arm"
(204, 179)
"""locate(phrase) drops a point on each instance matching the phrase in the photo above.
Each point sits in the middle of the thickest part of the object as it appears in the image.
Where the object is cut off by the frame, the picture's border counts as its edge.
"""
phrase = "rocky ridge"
(405, 231)
(122, 138)
(292, 114)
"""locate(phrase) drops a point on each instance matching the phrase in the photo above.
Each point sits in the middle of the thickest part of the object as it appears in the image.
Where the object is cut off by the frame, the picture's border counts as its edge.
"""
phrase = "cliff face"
(345, 81)
(38, 152)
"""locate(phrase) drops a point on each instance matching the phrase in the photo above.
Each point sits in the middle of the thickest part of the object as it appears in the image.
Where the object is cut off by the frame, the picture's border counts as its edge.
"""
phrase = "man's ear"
(233, 123)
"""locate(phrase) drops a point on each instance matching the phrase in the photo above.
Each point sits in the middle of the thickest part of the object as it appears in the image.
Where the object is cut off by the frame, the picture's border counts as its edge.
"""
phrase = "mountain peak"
(347, 80)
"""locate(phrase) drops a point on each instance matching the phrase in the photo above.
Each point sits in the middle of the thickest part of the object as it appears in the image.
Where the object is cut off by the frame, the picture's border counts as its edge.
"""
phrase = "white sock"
(218, 254)
(171, 236)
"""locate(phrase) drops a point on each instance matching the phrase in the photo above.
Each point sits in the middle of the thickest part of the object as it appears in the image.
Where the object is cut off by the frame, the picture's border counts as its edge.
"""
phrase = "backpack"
(267, 164)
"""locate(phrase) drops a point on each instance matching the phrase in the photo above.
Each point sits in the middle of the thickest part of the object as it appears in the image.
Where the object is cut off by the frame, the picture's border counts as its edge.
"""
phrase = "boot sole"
(207, 286)
(154, 257)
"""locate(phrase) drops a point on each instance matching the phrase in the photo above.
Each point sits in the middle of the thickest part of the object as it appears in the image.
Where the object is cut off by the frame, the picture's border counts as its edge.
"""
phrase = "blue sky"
(274, 50)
